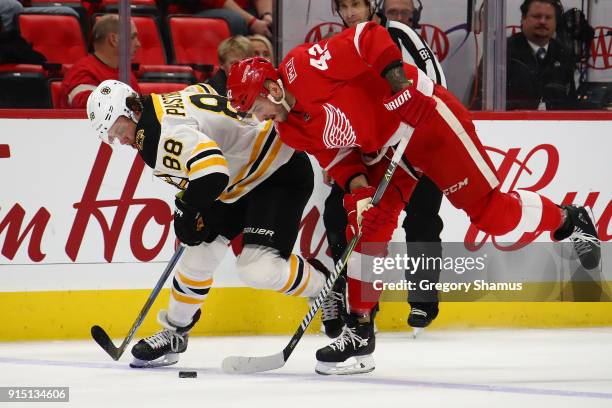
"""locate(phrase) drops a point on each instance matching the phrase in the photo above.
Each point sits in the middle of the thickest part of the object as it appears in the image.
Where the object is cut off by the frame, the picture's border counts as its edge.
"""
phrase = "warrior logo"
(338, 131)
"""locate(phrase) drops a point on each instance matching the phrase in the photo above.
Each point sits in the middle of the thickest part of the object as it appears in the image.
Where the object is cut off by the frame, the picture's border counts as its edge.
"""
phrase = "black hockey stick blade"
(249, 365)
(100, 337)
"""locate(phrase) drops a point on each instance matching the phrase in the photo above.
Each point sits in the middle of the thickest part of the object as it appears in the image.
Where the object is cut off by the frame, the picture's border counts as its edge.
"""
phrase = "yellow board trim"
(70, 314)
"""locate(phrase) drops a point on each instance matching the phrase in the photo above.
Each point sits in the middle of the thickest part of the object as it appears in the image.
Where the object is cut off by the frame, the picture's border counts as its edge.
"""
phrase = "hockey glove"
(412, 106)
(188, 223)
(355, 204)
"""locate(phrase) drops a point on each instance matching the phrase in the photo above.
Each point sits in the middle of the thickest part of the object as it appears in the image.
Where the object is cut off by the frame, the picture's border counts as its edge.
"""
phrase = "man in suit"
(540, 71)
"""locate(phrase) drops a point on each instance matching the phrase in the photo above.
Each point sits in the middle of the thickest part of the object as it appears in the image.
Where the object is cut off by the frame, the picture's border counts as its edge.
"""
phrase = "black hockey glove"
(188, 223)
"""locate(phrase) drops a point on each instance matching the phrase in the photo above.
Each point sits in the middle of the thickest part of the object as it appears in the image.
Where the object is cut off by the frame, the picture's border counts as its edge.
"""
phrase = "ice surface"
(479, 368)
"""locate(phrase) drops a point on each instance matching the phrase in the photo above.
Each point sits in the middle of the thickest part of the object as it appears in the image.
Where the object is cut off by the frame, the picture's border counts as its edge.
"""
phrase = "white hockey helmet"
(106, 103)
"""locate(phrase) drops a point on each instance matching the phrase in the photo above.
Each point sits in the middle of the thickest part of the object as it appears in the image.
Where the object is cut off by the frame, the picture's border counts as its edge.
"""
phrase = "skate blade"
(163, 361)
(362, 365)
(417, 331)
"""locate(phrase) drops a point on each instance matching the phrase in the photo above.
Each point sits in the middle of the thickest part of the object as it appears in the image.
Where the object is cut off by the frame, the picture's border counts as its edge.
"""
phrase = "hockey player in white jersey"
(235, 175)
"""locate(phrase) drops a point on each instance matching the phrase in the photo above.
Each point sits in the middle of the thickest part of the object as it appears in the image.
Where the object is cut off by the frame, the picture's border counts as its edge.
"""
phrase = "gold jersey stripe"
(187, 299)
(299, 291)
(213, 161)
(159, 112)
(293, 263)
(193, 283)
(262, 169)
(203, 146)
(259, 142)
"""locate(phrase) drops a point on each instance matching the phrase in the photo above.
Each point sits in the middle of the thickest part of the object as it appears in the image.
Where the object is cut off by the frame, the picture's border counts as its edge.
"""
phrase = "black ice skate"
(163, 348)
(579, 228)
(421, 315)
(333, 307)
(351, 353)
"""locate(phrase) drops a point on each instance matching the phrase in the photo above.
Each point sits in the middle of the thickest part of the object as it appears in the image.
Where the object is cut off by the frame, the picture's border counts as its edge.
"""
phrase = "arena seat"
(160, 87)
(151, 50)
(57, 37)
(23, 86)
(195, 40)
(55, 87)
(139, 7)
(73, 4)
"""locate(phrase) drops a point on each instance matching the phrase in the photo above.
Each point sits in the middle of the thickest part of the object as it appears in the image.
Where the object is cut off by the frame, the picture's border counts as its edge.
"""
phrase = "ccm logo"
(259, 231)
(456, 187)
(399, 101)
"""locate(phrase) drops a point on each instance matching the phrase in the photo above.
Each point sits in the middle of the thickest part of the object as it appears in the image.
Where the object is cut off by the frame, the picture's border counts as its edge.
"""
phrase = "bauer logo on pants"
(259, 231)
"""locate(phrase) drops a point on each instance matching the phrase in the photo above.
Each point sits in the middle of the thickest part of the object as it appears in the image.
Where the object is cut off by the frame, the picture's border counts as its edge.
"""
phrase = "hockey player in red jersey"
(348, 101)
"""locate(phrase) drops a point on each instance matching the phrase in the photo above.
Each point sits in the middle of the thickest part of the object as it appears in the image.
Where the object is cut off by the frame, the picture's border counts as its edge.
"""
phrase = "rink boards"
(85, 230)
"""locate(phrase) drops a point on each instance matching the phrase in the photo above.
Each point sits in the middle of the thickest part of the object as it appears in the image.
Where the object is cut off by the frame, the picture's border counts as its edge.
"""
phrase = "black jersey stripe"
(300, 273)
(201, 292)
(201, 155)
(412, 43)
(264, 151)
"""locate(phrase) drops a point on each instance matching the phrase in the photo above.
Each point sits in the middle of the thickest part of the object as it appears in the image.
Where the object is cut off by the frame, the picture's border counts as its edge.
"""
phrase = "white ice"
(478, 368)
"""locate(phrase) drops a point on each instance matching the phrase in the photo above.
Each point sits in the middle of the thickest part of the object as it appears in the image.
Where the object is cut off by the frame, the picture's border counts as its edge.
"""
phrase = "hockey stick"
(102, 338)
(248, 365)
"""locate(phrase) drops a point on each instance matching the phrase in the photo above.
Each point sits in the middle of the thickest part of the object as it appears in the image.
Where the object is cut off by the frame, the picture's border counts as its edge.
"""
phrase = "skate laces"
(330, 306)
(349, 335)
(418, 312)
(164, 338)
(583, 242)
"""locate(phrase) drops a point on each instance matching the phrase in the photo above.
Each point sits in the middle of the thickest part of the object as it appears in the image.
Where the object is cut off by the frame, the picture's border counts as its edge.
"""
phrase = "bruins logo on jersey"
(140, 136)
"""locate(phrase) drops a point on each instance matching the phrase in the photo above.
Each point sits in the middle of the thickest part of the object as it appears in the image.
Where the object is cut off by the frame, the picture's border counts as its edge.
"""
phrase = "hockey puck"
(188, 374)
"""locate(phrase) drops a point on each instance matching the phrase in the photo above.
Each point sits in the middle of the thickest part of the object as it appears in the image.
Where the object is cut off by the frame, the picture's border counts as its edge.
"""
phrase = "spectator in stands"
(14, 49)
(229, 51)
(89, 72)
(399, 10)
(262, 46)
(243, 17)
(540, 71)
(9, 9)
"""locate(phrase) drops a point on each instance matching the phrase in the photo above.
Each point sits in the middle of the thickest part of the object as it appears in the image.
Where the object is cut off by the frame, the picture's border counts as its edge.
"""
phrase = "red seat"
(136, 6)
(56, 87)
(195, 39)
(166, 73)
(151, 49)
(57, 37)
(160, 87)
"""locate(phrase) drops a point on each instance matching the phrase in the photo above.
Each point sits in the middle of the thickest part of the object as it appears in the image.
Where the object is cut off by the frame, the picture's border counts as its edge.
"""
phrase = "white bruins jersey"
(189, 135)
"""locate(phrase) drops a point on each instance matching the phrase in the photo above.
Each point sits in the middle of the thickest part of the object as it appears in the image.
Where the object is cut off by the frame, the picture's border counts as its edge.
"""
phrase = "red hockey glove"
(377, 223)
(354, 204)
(412, 106)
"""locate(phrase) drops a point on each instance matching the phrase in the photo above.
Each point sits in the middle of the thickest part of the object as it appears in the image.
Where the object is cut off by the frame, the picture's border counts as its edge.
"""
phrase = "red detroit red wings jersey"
(339, 90)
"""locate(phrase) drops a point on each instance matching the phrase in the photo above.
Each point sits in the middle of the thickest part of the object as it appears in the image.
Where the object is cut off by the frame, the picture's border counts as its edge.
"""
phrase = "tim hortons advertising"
(80, 210)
